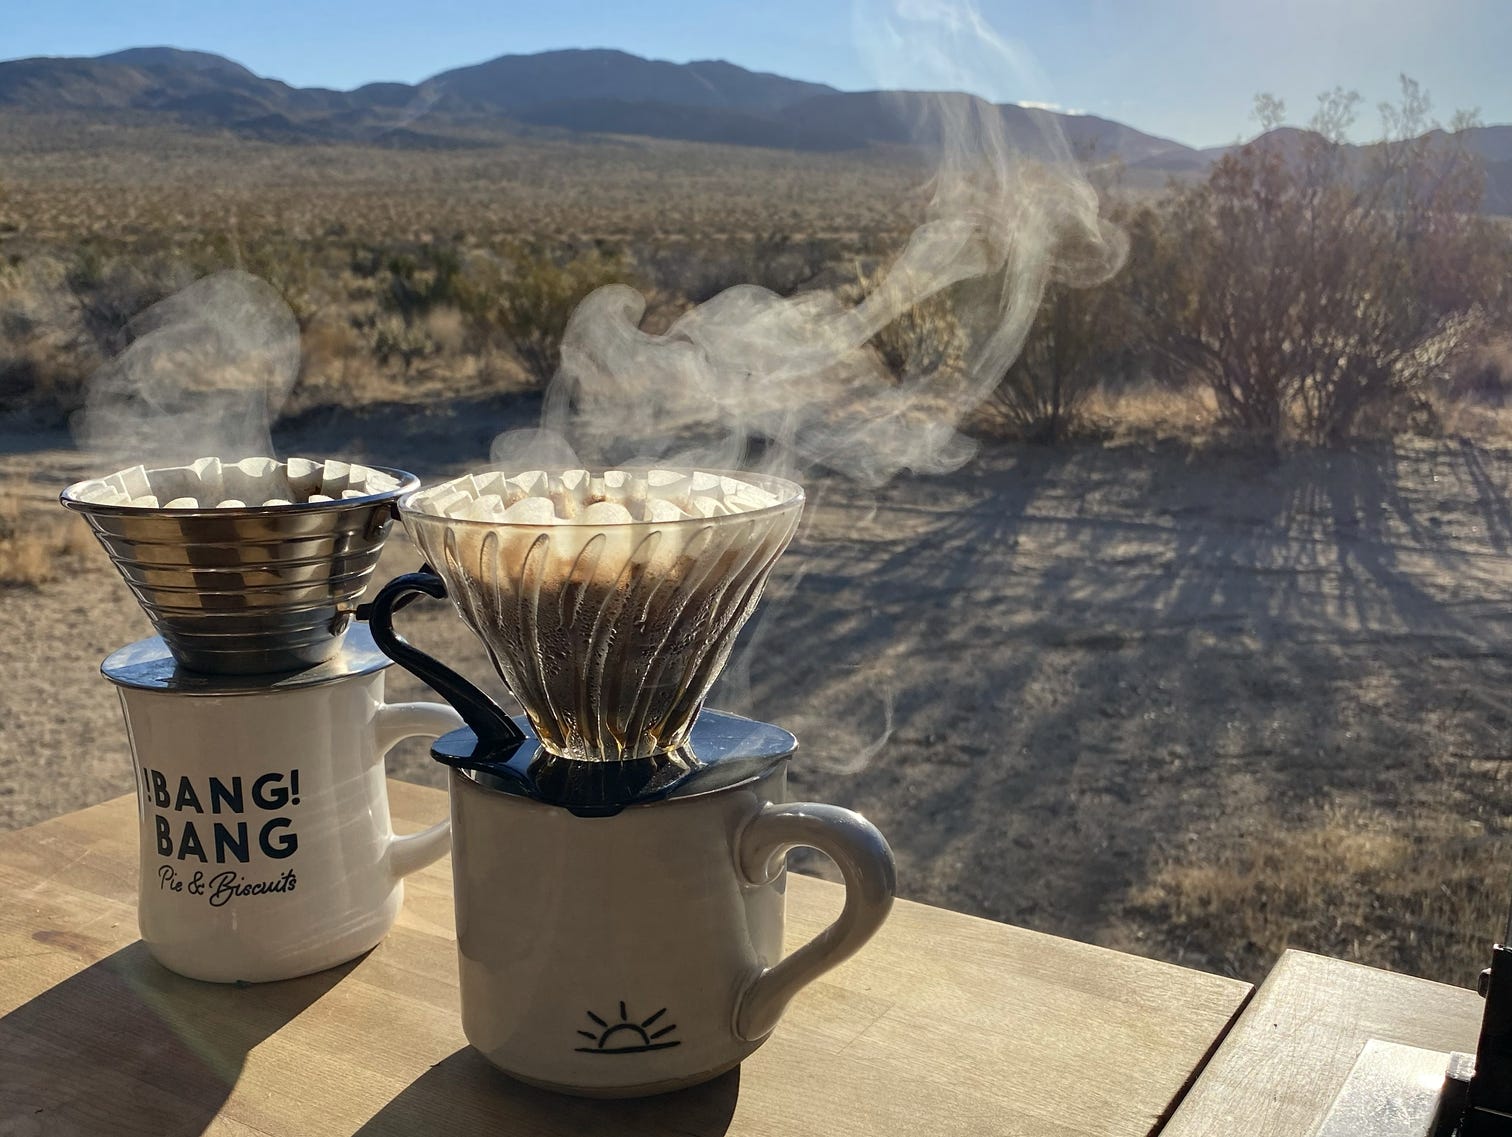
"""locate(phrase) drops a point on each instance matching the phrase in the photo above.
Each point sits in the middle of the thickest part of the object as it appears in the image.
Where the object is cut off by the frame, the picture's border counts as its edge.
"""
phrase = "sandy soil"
(1043, 676)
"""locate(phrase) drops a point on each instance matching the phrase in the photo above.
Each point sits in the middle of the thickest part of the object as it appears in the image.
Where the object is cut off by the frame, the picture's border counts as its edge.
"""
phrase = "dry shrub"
(35, 549)
(1076, 335)
(393, 338)
(926, 340)
(780, 261)
(1426, 896)
(1482, 371)
(533, 302)
(336, 367)
(1311, 289)
(46, 351)
(1145, 411)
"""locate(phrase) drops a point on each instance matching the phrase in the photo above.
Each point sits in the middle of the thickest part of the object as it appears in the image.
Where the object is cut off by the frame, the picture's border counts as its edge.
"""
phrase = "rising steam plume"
(796, 378)
(205, 372)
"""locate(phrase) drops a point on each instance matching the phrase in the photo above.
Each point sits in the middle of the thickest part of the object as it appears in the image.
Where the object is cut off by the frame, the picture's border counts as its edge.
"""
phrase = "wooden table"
(1280, 1068)
(943, 1024)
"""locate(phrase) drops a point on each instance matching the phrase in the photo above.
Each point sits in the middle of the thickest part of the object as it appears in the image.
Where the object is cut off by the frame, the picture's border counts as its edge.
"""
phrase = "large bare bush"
(1311, 283)
(1081, 339)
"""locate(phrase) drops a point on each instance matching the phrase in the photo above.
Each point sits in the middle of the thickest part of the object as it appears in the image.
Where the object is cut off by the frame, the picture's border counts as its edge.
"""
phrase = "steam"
(754, 379)
(205, 373)
(757, 381)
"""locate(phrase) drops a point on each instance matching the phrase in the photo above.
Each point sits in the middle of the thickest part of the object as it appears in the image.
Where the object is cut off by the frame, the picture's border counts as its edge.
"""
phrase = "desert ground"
(1198, 703)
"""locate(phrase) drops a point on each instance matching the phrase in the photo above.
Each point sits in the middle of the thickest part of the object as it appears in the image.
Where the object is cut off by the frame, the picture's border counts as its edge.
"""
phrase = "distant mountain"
(519, 82)
(583, 91)
(177, 59)
(1492, 144)
(604, 92)
(1498, 187)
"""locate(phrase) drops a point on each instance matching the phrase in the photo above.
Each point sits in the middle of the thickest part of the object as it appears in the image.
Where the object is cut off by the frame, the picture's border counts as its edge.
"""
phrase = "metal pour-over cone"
(608, 602)
(246, 588)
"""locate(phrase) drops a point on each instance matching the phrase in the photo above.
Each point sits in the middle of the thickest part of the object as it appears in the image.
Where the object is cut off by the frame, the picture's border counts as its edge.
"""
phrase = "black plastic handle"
(486, 718)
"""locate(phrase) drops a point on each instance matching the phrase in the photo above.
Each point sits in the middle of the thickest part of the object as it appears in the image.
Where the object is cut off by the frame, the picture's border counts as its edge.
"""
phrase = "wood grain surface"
(943, 1024)
(1284, 1062)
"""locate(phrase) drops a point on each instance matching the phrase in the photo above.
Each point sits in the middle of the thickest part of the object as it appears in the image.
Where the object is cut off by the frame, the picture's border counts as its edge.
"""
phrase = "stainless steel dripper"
(246, 589)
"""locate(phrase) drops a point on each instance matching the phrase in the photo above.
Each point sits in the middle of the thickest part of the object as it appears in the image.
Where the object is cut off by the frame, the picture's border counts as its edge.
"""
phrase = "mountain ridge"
(598, 91)
(585, 90)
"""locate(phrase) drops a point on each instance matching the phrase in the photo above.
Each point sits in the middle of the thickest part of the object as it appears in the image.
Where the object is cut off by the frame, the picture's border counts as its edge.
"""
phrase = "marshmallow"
(531, 511)
(489, 508)
(532, 483)
(491, 482)
(335, 477)
(443, 501)
(605, 513)
(211, 478)
(578, 497)
(134, 482)
(658, 512)
(254, 480)
(101, 492)
(743, 496)
(303, 476)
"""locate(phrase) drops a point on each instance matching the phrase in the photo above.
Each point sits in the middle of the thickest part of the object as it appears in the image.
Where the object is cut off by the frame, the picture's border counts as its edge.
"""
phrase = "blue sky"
(1186, 69)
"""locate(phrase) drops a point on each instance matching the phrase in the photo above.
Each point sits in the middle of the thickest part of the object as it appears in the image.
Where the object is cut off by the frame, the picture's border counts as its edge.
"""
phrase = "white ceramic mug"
(641, 952)
(266, 846)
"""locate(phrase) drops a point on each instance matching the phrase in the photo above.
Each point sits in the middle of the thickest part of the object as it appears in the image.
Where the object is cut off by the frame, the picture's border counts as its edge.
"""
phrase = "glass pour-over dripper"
(610, 601)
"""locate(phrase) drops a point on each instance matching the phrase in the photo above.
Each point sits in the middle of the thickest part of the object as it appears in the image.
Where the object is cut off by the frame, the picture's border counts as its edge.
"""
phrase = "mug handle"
(865, 861)
(486, 718)
(392, 724)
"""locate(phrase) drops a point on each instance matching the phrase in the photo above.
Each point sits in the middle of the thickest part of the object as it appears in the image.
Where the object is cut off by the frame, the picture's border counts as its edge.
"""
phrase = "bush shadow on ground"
(1079, 664)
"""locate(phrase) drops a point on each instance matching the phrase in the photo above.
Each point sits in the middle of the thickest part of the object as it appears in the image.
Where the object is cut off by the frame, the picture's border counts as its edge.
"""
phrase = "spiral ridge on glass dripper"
(609, 602)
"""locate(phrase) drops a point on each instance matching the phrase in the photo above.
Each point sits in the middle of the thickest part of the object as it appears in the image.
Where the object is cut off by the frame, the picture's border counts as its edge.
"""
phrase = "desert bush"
(775, 260)
(394, 338)
(1042, 395)
(1082, 339)
(290, 266)
(926, 340)
(46, 351)
(1482, 370)
(419, 281)
(1425, 898)
(32, 547)
(109, 288)
(532, 298)
(1309, 285)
